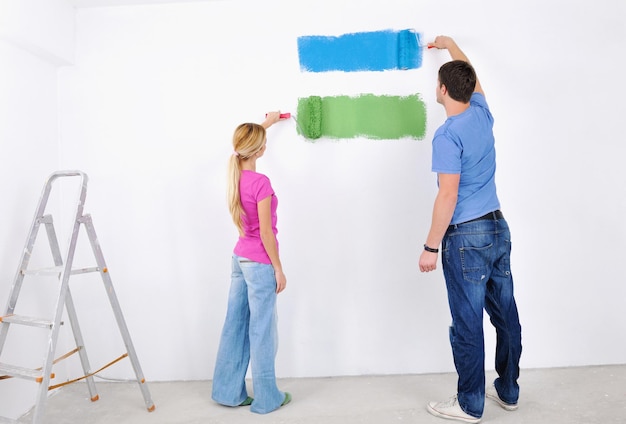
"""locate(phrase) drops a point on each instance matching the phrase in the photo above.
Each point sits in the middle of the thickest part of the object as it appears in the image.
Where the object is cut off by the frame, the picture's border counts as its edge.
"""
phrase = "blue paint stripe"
(361, 51)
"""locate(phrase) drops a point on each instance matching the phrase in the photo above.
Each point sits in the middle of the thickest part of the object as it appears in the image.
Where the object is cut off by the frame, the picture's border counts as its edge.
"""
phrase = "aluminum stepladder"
(63, 268)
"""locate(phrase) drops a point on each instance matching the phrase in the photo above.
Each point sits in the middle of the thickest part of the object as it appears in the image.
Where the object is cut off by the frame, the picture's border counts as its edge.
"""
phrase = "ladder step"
(21, 372)
(57, 270)
(30, 321)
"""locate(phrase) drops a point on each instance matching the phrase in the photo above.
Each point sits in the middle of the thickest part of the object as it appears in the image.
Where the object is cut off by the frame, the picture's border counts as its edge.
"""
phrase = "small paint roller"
(407, 47)
(309, 120)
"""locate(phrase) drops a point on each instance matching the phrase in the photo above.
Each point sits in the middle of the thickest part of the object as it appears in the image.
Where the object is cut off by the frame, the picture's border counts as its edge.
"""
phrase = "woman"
(250, 330)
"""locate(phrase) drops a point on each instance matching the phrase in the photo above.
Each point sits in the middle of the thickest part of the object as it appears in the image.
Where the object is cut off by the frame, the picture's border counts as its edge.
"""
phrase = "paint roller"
(407, 46)
(409, 49)
(309, 122)
(311, 109)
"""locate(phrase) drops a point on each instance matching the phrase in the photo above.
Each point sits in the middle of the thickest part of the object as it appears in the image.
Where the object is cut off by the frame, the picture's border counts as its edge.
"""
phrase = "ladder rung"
(21, 372)
(30, 321)
(57, 270)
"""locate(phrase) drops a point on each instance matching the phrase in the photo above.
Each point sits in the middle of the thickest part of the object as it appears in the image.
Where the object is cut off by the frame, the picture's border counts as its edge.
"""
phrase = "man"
(475, 243)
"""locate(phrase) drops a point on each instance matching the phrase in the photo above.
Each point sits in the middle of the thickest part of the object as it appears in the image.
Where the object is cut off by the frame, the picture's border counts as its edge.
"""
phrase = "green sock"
(246, 402)
(287, 399)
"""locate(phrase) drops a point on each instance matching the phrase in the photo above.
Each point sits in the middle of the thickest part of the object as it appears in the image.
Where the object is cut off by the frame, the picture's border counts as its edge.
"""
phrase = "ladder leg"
(71, 311)
(80, 344)
(40, 404)
(42, 397)
(117, 310)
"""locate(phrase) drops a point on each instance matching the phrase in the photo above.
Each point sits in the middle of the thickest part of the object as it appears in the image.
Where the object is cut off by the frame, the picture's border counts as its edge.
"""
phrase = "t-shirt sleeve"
(262, 188)
(446, 154)
(478, 99)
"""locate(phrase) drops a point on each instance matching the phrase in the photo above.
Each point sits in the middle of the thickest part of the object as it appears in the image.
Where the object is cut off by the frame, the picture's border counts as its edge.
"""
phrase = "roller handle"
(285, 115)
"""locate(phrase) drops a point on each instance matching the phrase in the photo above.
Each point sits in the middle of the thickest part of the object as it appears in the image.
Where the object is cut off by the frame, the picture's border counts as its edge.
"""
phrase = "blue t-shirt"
(465, 145)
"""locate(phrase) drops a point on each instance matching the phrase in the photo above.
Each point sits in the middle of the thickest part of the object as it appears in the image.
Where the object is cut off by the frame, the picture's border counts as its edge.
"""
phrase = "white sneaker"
(450, 410)
(492, 394)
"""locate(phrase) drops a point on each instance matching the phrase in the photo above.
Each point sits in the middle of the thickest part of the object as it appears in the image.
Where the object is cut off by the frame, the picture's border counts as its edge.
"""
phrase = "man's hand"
(428, 261)
(442, 42)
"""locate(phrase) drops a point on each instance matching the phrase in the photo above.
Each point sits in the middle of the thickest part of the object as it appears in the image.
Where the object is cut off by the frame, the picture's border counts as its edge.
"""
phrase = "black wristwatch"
(430, 249)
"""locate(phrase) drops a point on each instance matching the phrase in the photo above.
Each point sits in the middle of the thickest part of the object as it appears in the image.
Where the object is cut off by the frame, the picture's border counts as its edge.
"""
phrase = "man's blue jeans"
(477, 268)
(250, 336)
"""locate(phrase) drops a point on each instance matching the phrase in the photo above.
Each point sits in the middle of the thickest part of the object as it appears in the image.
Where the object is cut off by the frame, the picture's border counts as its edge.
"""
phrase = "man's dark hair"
(459, 78)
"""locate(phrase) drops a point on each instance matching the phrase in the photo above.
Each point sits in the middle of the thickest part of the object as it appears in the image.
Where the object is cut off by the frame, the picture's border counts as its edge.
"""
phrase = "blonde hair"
(248, 140)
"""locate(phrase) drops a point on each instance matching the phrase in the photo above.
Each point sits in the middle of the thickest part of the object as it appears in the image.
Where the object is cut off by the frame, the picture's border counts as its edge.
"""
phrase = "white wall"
(148, 112)
(35, 38)
(42, 27)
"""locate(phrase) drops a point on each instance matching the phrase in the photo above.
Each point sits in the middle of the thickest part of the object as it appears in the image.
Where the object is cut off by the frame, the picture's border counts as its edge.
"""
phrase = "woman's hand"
(270, 119)
(281, 281)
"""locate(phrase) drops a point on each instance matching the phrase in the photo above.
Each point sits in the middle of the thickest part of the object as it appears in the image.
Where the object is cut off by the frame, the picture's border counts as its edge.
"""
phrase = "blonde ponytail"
(248, 139)
(234, 200)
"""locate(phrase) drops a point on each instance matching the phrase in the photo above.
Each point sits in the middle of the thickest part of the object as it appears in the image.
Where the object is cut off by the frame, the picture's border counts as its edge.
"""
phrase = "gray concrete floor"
(585, 395)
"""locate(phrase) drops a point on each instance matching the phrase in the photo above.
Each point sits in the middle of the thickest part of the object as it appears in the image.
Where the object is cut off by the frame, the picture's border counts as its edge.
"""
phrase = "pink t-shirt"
(254, 187)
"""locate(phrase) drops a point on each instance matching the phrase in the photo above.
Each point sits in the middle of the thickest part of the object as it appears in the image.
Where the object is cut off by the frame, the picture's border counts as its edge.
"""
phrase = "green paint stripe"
(366, 115)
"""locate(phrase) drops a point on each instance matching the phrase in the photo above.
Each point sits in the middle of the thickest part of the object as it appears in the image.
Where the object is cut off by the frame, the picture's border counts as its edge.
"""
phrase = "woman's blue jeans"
(250, 336)
(477, 268)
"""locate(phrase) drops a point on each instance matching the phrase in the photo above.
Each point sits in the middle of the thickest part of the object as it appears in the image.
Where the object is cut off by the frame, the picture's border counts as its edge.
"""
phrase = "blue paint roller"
(409, 49)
